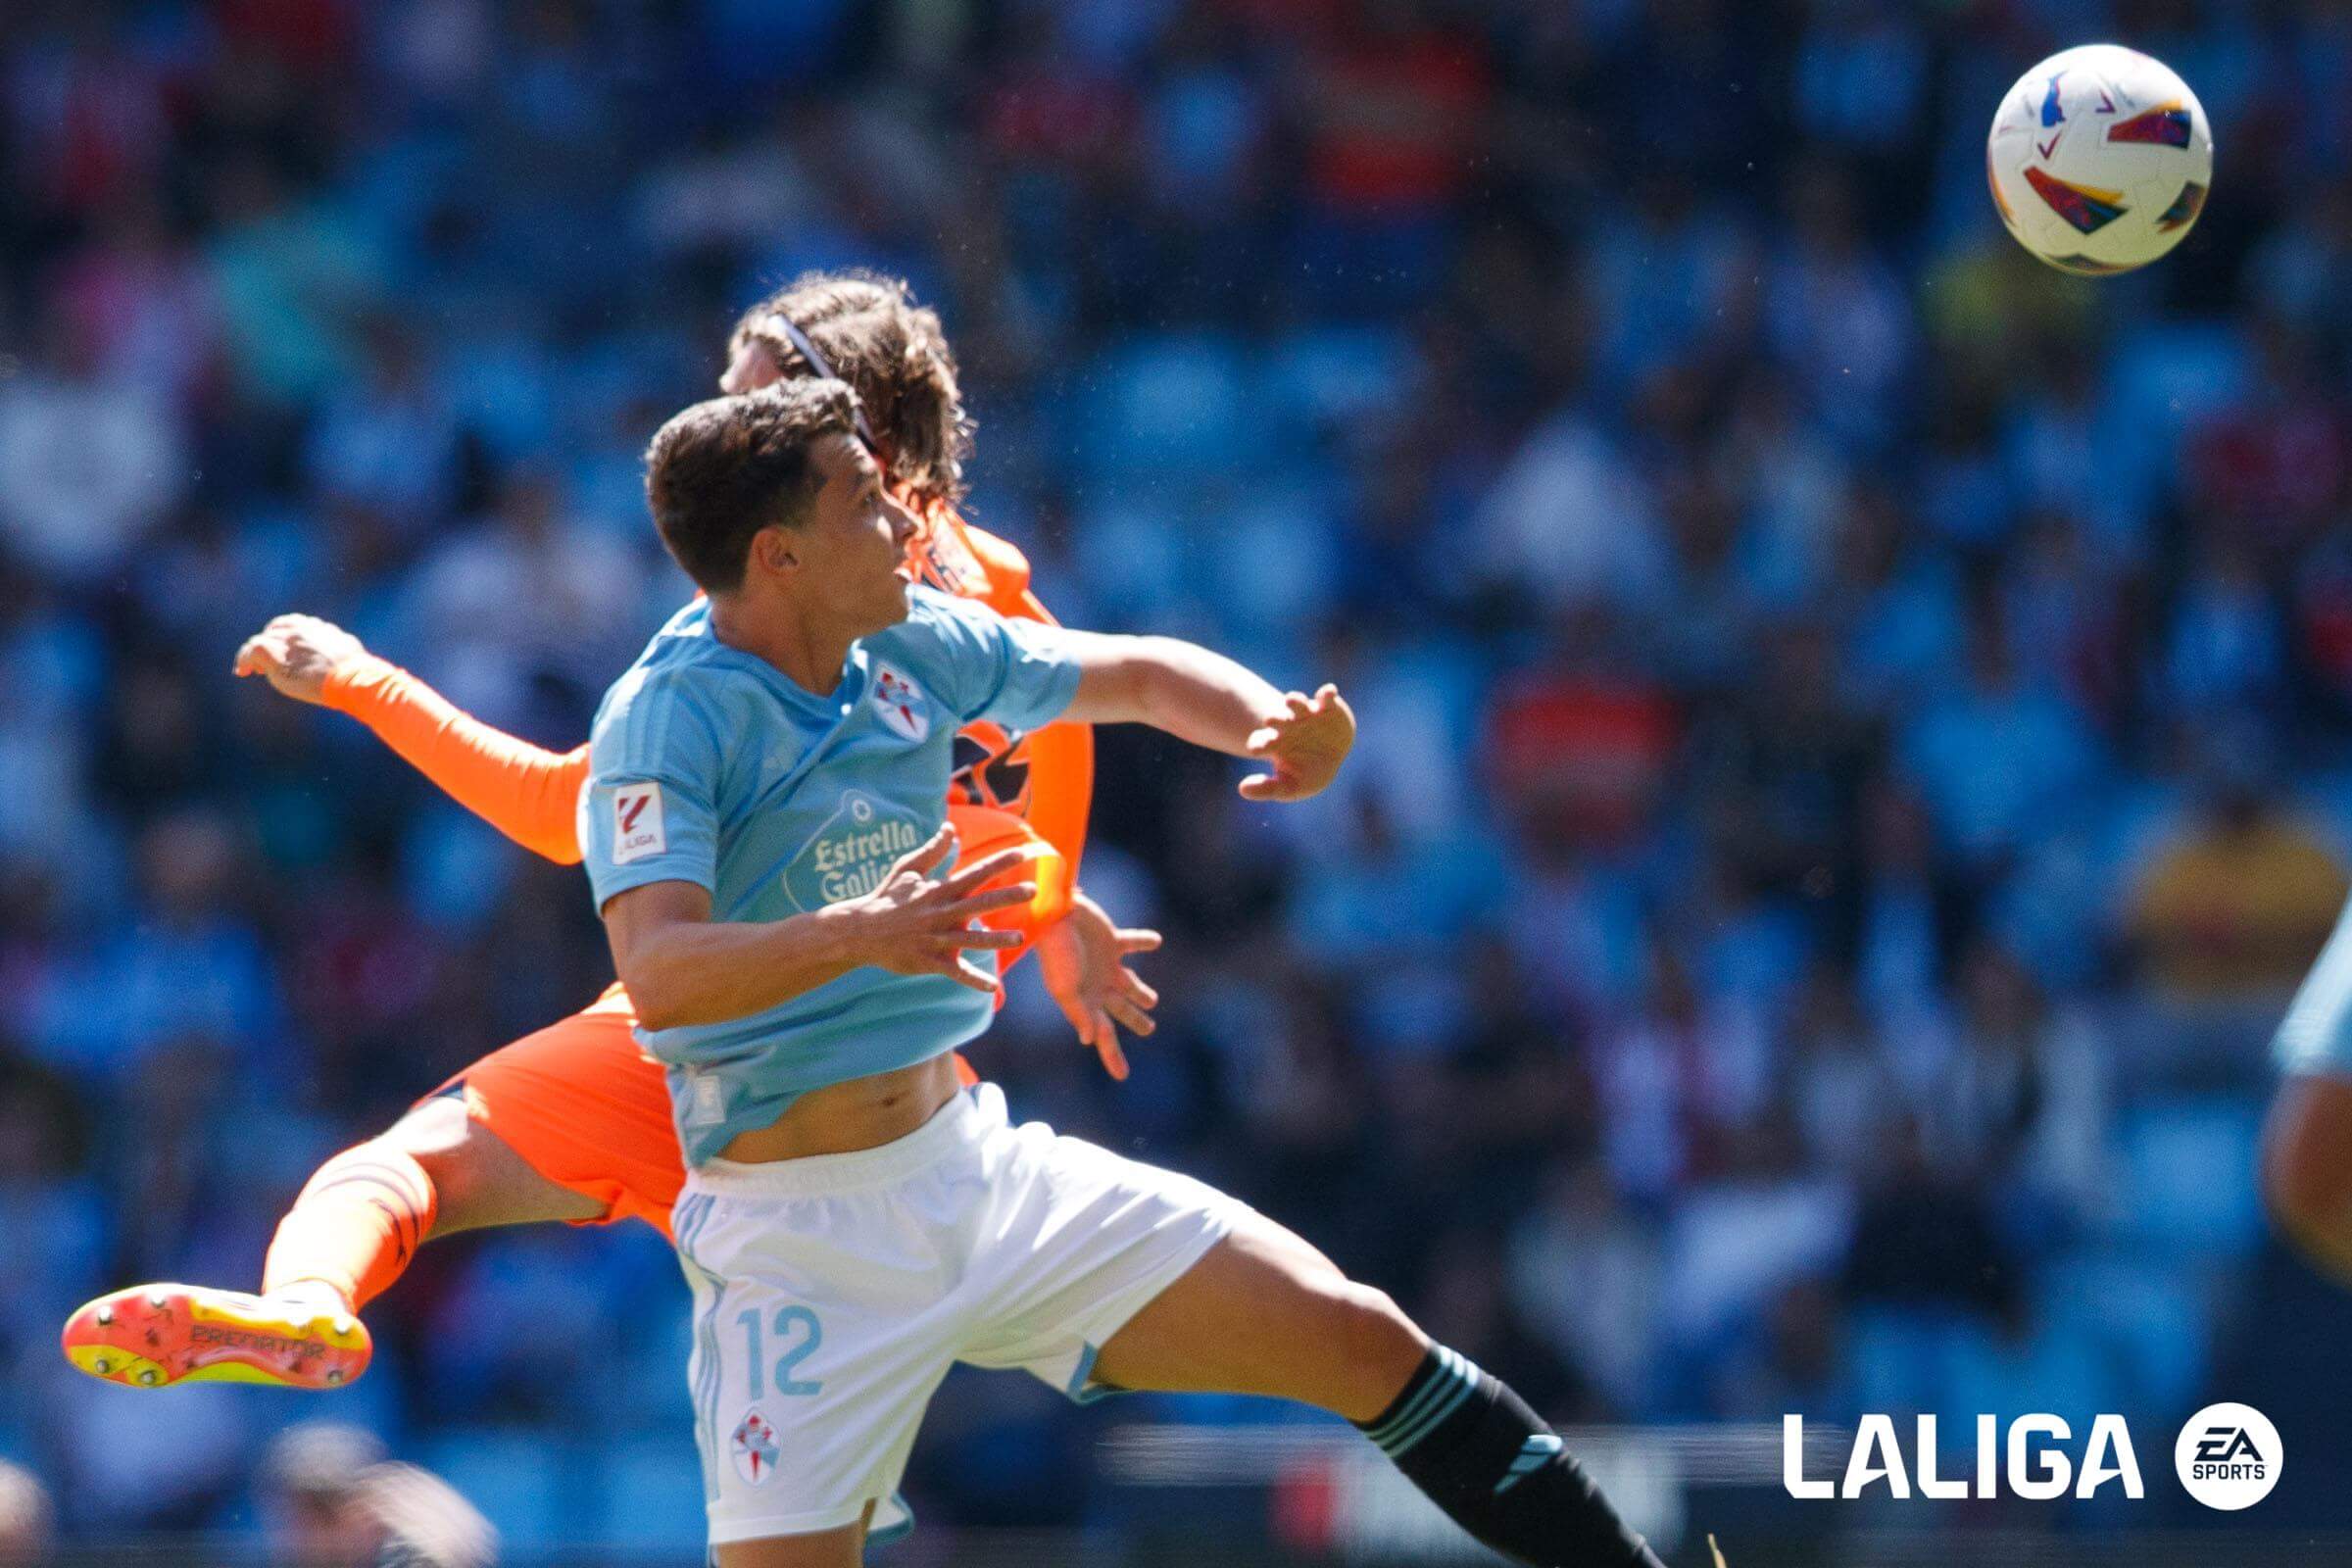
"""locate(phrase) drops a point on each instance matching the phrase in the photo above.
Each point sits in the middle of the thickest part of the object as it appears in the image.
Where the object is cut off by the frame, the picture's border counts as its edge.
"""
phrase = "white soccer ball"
(2099, 159)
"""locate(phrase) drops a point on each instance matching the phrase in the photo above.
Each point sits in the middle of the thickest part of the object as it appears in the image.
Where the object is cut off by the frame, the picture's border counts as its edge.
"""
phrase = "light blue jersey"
(707, 765)
(2316, 1036)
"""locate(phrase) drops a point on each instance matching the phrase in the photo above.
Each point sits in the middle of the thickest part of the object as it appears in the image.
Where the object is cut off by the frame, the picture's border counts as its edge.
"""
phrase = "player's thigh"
(2307, 1149)
(570, 1122)
(1263, 1312)
(831, 1549)
(478, 1179)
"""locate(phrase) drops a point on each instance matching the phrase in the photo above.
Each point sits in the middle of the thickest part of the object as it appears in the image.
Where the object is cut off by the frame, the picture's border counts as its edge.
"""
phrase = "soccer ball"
(2099, 159)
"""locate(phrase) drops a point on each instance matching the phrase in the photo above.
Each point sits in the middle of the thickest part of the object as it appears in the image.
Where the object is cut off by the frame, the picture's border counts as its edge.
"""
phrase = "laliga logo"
(2228, 1458)
(2036, 1472)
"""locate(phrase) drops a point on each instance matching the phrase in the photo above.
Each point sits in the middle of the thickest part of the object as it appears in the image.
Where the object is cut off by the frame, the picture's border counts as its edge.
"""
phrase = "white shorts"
(831, 1295)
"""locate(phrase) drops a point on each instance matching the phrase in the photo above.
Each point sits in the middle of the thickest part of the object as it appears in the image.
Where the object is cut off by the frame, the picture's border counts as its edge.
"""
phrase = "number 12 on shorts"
(797, 1329)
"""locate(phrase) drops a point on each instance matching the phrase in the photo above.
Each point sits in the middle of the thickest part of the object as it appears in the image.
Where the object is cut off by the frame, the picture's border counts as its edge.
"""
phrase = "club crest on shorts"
(901, 704)
(755, 1447)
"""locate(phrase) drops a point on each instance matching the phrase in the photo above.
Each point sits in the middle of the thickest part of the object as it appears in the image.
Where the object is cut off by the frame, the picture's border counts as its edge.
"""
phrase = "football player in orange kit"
(573, 1123)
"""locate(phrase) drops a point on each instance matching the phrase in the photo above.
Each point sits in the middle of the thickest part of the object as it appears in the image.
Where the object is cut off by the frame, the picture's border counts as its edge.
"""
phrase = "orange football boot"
(154, 1335)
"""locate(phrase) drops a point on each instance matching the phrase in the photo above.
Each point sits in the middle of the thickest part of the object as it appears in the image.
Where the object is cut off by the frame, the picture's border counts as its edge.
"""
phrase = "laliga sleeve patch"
(637, 823)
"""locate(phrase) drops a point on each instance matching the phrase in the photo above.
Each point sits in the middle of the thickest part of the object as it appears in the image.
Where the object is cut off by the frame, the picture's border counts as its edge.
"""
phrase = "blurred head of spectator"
(187, 861)
(27, 1518)
(313, 1495)
(333, 1501)
(424, 1521)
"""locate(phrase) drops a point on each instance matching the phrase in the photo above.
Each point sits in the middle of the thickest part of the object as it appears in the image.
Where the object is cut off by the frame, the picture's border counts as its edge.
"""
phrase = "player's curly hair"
(721, 470)
(893, 353)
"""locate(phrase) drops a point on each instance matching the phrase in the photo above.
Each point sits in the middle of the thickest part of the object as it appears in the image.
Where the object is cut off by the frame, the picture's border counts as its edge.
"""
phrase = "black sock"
(1482, 1455)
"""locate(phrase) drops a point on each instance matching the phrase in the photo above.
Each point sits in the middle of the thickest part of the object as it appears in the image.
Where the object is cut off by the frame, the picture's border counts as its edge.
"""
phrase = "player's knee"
(1370, 1332)
(444, 1143)
(480, 1178)
(2307, 1165)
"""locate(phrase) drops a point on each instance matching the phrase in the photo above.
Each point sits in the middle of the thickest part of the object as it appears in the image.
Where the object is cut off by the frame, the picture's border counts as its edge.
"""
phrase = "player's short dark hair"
(721, 471)
(893, 353)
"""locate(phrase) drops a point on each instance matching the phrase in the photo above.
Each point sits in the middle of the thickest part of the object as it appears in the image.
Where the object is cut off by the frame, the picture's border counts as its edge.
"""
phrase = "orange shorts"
(587, 1108)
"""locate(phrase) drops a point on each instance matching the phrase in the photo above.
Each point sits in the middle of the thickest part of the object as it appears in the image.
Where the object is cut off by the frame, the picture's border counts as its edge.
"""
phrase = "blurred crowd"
(1855, 722)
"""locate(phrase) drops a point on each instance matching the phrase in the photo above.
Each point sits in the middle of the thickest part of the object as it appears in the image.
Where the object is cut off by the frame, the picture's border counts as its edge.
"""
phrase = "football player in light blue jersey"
(762, 831)
(713, 769)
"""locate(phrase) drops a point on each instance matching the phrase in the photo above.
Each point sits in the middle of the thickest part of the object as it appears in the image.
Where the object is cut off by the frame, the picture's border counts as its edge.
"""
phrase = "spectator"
(88, 465)
(1995, 757)
(2023, 1103)
(311, 1494)
(27, 1522)
(1587, 1275)
(2234, 901)
(334, 1502)
(1925, 1238)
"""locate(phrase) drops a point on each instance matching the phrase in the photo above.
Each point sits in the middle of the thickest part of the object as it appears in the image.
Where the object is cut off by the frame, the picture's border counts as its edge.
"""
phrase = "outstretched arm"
(1205, 697)
(526, 792)
(1083, 960)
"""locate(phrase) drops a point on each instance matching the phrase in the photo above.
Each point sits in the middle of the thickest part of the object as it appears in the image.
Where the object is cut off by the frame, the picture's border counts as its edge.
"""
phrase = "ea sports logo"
(2229, 1456)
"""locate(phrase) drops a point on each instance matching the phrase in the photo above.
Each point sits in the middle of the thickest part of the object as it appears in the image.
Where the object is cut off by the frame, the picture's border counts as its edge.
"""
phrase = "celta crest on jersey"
(900, 703)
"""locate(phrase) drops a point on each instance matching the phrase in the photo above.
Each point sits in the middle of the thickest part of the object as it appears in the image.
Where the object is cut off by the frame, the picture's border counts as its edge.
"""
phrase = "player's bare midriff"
(857, 1113)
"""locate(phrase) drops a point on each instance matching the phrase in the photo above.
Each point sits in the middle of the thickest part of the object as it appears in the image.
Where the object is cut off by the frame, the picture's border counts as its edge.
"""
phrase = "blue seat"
(2186, 1168)
(1904, 1359)
(1167, 405)
(652, 1492)
(1140, 554)
(2152, 1326)
(1332, 375)
(2056, 1365)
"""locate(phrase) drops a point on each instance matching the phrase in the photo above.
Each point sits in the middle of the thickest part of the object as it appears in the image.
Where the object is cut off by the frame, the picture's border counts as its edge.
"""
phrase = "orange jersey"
(1047, 780)
(529, 793)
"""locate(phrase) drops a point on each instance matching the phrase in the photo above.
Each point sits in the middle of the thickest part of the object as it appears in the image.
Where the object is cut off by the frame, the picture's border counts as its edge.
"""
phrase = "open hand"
(298, 655)
(918, 922)
(1302, 749)
(1082, 957)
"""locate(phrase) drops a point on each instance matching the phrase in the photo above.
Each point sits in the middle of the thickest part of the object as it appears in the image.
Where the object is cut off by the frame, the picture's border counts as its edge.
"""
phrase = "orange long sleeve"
(526, 792)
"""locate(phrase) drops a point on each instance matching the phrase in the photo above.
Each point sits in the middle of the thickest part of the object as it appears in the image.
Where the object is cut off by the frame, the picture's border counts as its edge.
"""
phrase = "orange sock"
(355, 1226)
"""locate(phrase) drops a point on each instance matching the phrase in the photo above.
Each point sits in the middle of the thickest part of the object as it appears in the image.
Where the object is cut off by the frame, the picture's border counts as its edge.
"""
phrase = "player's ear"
(772, 550)
(752, 367)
